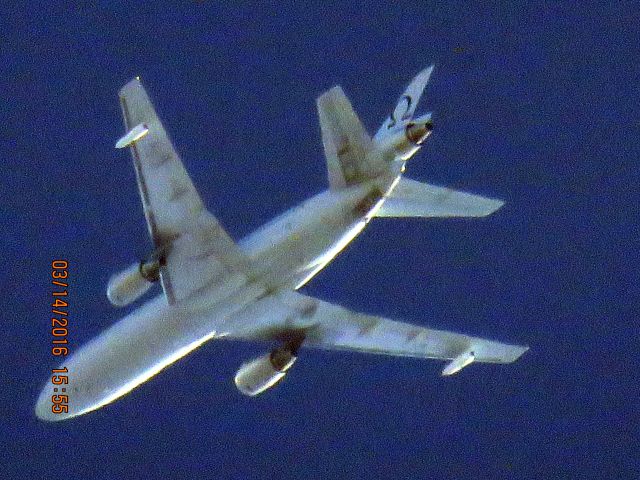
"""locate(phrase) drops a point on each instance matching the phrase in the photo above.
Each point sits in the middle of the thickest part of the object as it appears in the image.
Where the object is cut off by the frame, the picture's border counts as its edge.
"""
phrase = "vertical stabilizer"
(407, 103)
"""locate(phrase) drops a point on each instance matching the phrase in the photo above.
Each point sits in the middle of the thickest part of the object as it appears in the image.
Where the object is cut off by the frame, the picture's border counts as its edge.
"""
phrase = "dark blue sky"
(536, 105)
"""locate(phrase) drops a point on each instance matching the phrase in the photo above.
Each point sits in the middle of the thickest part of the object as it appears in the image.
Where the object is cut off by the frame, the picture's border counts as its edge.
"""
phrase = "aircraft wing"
(328, 326)
(415, 199)
(193, 248)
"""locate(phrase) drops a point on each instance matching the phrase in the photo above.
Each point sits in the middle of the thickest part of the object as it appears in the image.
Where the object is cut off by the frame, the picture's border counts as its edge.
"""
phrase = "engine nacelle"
(264, 372)
(417, 132)
(404, 141)
(130, 284)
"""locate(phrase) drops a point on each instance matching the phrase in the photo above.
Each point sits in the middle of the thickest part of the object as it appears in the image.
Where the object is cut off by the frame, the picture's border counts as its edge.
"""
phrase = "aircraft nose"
(44, 408)
(44, 404)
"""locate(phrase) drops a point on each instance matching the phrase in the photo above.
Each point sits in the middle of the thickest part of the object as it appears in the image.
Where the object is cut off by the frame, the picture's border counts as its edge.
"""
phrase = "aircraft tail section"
(415, 199)
(345, 140)
(406, 107)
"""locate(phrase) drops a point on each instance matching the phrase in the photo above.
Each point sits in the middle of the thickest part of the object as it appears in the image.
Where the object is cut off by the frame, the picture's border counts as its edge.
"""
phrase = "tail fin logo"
(403, 110)
(406, 106)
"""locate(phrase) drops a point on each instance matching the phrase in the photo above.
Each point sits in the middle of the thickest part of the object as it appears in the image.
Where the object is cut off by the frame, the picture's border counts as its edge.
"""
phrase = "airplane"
(214, 287)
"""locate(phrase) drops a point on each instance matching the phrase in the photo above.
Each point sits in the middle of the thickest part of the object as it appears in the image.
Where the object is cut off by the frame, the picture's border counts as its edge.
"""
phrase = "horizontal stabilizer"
(415, 199)
(346, 141)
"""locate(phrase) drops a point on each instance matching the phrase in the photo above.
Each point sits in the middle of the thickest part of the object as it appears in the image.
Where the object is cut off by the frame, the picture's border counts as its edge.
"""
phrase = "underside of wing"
(193, 248)
(325, 325)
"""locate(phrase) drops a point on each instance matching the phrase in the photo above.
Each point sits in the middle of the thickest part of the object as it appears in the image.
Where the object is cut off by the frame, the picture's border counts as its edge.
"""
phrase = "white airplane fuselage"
(216, 287)
(285, 254)
(295, 246)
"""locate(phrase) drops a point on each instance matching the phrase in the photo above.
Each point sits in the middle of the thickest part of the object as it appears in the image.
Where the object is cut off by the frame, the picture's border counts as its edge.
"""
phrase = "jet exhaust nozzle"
(417, 132)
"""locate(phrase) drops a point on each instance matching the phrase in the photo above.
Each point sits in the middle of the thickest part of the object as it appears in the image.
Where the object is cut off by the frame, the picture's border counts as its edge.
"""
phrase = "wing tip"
(519, 350)
(130, 85)
(493, 207)
(328, 94)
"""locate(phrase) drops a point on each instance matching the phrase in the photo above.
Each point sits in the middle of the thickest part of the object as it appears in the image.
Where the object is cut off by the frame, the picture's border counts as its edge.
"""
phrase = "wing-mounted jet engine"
(264, 372)
(130, 284)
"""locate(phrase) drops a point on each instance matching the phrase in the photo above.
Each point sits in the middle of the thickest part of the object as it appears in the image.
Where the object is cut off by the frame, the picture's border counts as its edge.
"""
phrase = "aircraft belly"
(285, 253)
(299, 243)
(136, 348)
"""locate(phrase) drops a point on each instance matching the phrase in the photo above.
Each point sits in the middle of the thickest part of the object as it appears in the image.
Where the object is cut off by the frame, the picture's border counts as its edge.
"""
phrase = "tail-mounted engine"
(418, 131)
(130, 284)
(264, 372)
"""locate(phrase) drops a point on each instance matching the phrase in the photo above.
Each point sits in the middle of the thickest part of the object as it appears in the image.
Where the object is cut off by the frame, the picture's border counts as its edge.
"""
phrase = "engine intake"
(264, 372)
(130, 284)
